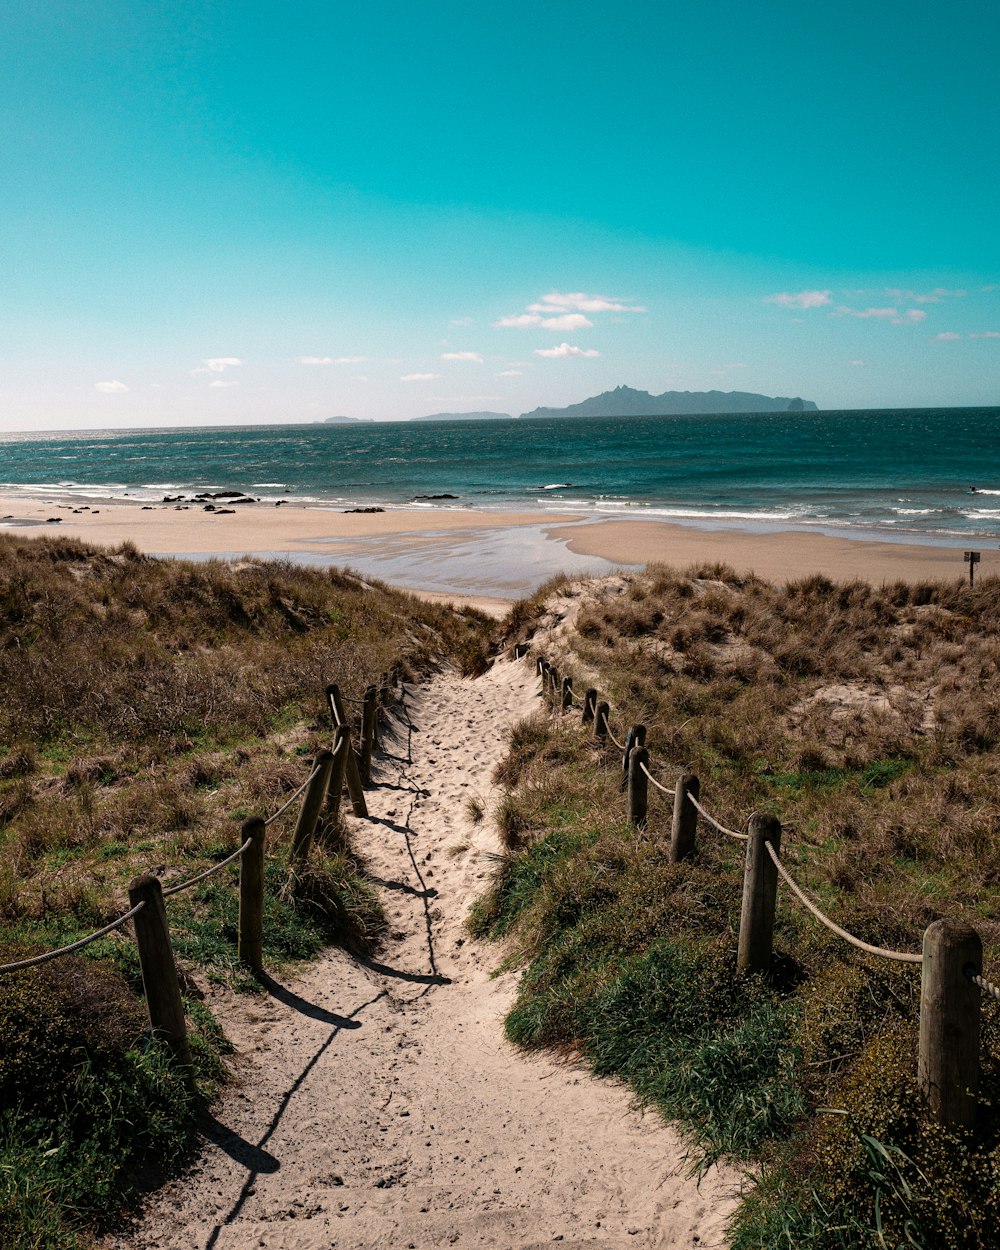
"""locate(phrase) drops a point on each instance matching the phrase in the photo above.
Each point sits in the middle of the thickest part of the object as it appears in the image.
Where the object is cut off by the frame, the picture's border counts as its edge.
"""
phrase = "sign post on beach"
(972, 559)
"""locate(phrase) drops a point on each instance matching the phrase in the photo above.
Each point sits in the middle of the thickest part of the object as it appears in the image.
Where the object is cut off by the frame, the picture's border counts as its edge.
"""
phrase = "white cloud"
(509, 373)
(351, 360)
(912, 316)
(946, 336)
(927, 297)
(800, 299)
(217, 364)
(460, 321)
(563, 350)
(110, 388)
(472, 357)
(580, 301)
(219, 384)
(315, 360)
(419, 377)
(565, 321)
(986, 334)
(562, 311)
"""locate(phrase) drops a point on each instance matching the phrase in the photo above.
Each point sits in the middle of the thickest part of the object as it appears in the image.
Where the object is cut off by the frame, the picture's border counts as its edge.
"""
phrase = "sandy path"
(380, 1106)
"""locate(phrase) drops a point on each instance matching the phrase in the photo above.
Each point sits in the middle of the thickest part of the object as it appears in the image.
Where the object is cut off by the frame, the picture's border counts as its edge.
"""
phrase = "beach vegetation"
(150, 706)
(863, 717)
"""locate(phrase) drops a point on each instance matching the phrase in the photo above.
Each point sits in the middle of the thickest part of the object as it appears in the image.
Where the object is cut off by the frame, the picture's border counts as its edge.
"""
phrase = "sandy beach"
(484, 557)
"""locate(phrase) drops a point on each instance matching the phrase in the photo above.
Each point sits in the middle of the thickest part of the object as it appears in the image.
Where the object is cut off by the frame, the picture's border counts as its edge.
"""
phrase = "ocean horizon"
(907, 475)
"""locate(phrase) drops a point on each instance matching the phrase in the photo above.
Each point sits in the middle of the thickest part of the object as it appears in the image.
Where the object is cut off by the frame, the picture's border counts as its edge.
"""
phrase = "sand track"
(378, 1104)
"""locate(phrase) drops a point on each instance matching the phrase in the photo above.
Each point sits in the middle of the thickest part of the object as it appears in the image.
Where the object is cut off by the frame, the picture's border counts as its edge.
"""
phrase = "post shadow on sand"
(256, 1154)
(302, 1005)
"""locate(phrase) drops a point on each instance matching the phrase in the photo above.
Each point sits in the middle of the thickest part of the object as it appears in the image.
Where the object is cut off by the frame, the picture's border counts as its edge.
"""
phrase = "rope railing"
(209, 872)
(35, 960)
(322, 789)
(901, 956)
(659, 785)
(732, 833)
(611, 733)
(987, 986)
(291, 798)
(950, 961)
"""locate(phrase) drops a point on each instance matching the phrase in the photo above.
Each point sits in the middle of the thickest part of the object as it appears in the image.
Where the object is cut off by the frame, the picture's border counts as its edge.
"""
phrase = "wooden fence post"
(368, 734)
(354, 786)
(341, 750)
(312, 805)
(948, 1061)
(636, 737)
(685, 818)
(250, 938)
(601, 724)
(159, 973)
(589, 704)
(553, 690)
(541, 667)
(567, 693)
(638, 786)
(760, 887)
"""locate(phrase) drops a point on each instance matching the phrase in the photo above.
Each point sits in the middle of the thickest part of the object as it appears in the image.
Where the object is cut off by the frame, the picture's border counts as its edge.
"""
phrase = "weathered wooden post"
(354, 786)
(250, 933)
(159, 973)
(312, 805)
(368, 733)
(685, 818)
(638, 786)
(541, 667)
(567, 693)
(601, 723)
(760, 887)
(589, 704)
(553, 690)
(341, 750)
(636, 737)
(948, 1060)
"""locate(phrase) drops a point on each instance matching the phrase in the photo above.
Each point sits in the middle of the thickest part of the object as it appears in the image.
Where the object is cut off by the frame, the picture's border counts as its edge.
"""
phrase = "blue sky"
(221, 212)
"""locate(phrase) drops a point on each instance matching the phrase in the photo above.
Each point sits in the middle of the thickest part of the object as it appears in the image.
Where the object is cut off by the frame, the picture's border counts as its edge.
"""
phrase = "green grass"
(149, 707)
(888, 810)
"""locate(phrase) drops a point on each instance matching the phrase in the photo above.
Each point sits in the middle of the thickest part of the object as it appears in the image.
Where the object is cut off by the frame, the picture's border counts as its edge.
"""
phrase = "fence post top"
(689, 781)
(252, 828)
(145, 883)
(764, 825)
(951, 932)
(342, 731)
(322, 755)
(331, 687)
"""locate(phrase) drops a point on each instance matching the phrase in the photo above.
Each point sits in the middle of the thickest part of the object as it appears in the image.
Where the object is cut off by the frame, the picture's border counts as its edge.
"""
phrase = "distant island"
(466, 416)
(624, 401)
(348, 420)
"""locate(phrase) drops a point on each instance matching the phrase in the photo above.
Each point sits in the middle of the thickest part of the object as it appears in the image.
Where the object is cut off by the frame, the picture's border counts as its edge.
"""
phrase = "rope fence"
(950, 961)
(35, 960)
(732, 833)
(322, 789)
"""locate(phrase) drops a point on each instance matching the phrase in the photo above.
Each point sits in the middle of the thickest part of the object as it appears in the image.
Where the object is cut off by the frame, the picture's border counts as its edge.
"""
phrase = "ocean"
(920, 475)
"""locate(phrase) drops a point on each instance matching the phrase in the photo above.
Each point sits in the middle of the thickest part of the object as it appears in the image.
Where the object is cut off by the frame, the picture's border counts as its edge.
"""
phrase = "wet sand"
(779, 556)
(485, 557)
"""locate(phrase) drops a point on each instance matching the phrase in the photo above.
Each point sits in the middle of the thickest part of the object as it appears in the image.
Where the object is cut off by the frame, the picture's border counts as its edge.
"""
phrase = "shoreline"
(487, 558)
